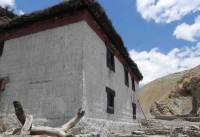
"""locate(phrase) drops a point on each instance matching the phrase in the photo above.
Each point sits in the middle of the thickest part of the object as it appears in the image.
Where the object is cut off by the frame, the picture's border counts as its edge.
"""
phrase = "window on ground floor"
(3, 82)
(110, 100)
(134, 110)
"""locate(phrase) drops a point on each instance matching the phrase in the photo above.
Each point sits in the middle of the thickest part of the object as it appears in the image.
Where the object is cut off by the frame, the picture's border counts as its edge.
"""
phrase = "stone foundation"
(106, 127)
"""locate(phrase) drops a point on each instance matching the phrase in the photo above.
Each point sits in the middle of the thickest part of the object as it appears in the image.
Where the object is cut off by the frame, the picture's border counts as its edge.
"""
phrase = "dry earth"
(160, 93)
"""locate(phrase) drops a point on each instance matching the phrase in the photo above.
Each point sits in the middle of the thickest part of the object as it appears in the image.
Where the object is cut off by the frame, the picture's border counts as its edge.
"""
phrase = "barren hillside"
(157, 94)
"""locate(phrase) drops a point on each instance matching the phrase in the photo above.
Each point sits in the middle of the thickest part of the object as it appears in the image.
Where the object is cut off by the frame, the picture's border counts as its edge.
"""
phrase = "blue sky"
(162, 36)
(136, 32)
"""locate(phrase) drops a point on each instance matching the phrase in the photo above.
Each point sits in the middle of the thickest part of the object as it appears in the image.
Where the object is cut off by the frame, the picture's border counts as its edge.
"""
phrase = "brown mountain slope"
(157, 94)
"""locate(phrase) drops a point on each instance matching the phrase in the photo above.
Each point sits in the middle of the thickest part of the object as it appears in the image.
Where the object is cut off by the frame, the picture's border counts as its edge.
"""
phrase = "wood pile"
(27, 128)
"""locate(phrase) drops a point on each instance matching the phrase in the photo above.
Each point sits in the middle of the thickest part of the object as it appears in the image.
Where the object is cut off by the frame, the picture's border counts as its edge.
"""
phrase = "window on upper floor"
(133, 84)
(134, 110)
(126, 79)
(1, 47)
(110, 59)
(110, 100)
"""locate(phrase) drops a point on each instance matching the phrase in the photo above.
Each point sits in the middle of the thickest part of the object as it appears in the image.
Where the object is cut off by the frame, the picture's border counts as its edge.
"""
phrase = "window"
(126, 79)
(110, 100)
(110, 59)
(1, 47)
(134, 110)
(133, 84)
(3, 82)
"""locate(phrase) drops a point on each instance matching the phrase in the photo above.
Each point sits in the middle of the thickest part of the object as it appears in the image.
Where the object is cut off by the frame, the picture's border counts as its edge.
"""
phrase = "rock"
(175, 94)
(88, 135)
(8, 122)
(177, 132)
(194, 127)
(138, 132)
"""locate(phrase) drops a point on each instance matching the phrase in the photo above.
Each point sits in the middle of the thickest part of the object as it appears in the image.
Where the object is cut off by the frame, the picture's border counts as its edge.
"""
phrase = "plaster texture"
(45, 73)
(97, 76)
(57, 71)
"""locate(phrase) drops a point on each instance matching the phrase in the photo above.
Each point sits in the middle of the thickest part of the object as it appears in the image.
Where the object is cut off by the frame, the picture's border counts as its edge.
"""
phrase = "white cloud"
(166, 11)
(154, 64)
(19, 12)
(188, 32)
(9, 3)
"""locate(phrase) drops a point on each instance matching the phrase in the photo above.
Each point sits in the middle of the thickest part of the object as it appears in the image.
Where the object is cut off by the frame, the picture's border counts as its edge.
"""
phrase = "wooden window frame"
(110, 59)
(133, 84)
(3, 82)
(110, 100)
(1, 48)
(126, 77)
(134, 107)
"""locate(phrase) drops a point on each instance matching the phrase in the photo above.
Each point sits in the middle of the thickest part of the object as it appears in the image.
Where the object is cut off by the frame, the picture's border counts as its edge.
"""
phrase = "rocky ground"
(175, 127)
(166, 103)
(174, 102)
(163, 128)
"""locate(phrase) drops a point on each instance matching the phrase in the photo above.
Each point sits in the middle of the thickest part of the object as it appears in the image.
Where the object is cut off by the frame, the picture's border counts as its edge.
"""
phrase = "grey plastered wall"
(97, 76)
(45, 72)
(136, 99)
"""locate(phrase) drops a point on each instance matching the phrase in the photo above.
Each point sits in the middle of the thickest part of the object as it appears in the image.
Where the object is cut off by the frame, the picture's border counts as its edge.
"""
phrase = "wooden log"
(19, 112)
(64, 131)
(73, 121)
(74, 131)
(28, 129)
(48, 131)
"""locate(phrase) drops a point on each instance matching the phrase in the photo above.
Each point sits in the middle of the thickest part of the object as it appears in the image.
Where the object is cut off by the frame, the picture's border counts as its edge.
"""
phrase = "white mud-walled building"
(68, 56)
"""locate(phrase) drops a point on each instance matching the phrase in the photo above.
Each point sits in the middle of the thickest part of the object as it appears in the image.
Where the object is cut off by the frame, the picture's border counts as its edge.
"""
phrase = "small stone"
(194, 127)
(138, 132)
